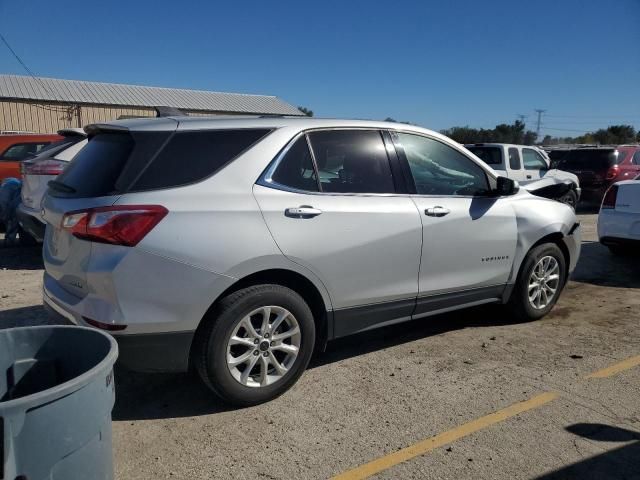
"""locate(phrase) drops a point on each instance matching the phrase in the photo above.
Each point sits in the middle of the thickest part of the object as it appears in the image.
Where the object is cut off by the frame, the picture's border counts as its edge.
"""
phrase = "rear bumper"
(29, 220)
(152, 352)
(155, 352)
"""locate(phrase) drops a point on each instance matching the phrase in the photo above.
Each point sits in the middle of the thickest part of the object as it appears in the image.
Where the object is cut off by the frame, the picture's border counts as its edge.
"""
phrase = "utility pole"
(539, 112)
(521, 117)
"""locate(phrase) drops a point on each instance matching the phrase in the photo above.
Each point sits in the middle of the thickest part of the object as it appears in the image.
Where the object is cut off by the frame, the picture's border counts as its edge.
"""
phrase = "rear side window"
(193, 156)
(96, 168)
(20, 151)
(489, 155)
(295, 170)
(514, 159)
(636, 158)
(352, 161)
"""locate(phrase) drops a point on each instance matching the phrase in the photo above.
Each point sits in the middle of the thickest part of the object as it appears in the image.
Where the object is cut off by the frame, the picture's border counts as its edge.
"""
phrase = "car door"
(331, 205)
(469, 236)
(535, 165)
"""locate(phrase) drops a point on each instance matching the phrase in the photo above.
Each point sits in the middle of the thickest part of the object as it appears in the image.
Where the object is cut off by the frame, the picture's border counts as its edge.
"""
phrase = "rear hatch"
(98, 174)
(589, 165)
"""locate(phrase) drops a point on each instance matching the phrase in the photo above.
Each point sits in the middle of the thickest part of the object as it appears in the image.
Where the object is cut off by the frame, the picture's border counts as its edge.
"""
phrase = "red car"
(628, 166)
(16, 147)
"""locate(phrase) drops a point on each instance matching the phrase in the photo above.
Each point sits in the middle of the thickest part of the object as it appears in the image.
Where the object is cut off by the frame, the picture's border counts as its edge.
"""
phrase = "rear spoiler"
(169, 112)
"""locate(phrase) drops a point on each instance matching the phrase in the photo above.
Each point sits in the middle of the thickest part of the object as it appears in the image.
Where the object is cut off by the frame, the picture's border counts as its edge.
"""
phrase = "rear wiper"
(61, 187)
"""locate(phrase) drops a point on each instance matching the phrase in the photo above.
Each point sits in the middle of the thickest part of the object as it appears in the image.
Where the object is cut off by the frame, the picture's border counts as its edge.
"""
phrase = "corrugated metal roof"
(76, 91)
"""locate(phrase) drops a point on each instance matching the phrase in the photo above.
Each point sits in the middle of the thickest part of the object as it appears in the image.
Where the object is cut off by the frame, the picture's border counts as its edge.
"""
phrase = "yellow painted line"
(617, 368)
(429, 444)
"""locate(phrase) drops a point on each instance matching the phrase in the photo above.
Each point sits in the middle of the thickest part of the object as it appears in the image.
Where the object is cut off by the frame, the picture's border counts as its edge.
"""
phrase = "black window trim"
(491, 180)
(266, 178)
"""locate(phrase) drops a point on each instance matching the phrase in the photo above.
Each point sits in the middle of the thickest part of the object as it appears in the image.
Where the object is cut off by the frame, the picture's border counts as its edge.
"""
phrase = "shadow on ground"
(24, 317)
(622, 462)
(21, 258)
(598, 266)
(150, 396)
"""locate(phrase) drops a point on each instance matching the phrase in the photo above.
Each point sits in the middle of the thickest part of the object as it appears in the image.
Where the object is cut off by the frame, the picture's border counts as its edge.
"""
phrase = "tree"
(503, 133)
(306, 111)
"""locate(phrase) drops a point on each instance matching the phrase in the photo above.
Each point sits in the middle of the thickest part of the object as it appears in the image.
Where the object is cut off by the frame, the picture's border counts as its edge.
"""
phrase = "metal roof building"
(44, 105)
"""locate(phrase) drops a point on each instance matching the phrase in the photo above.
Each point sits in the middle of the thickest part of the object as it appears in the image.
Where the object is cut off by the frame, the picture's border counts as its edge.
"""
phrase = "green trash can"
(56, 395)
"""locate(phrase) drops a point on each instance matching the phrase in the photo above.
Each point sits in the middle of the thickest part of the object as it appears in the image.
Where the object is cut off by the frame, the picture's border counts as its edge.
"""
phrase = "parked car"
(530, 167)
(238, 246)
(38, 171)
(16, 147)
(598, 168)
(619, 218)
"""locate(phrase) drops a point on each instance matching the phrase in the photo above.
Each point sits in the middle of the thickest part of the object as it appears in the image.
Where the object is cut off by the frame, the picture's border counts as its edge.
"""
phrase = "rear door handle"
(303, 211)
(436, 211)
(529, 176)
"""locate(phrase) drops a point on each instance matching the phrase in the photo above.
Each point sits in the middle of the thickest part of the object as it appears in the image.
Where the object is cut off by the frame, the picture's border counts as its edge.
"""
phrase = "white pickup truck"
(530, 166)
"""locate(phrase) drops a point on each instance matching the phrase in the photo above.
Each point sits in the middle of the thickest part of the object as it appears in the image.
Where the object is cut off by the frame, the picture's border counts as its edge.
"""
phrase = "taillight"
(118, 225)
(609, 200)
(110, 327)
(613, 172)
(43, 167)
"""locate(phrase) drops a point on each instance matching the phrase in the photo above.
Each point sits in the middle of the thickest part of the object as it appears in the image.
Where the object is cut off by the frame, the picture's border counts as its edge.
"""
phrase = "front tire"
(255, 344)
(540, 281)
(570, 198)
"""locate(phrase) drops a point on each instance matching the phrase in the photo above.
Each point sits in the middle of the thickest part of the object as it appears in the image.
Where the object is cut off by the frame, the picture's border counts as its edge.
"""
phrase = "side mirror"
(505, 187)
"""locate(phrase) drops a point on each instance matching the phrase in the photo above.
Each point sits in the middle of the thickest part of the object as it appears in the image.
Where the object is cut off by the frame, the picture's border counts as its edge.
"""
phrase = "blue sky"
(434, 63)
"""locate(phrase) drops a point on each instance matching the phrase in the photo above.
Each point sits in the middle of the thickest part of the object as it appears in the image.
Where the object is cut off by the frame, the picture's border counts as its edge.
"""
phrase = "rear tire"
(540, 281)
(232, 333)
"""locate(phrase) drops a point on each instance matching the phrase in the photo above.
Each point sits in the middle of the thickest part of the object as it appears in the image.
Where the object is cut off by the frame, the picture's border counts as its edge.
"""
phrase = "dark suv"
(599, 167)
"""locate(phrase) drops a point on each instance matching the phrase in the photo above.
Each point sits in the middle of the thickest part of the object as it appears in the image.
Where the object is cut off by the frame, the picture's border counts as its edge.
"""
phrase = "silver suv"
(238, 246)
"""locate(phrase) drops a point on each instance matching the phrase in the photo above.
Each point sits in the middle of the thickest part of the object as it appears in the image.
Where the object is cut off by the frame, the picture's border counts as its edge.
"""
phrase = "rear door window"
(295, 169)
(352, 161)
(514, 159)
(636, 158)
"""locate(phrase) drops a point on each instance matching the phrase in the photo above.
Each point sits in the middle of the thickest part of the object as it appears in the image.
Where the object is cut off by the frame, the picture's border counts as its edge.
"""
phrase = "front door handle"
(529, 177)
(303, 211)
(436, 211)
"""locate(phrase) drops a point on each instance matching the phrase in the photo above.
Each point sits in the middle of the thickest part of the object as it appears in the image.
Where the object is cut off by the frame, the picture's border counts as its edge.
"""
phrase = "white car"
(619, 218)
(38, 171)
(531, 167)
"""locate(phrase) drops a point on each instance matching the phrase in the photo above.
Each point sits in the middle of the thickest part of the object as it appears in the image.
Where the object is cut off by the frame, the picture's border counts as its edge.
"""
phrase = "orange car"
(16, 147)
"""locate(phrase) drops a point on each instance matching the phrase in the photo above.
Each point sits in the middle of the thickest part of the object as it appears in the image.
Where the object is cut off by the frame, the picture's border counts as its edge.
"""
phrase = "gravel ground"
(375, 393)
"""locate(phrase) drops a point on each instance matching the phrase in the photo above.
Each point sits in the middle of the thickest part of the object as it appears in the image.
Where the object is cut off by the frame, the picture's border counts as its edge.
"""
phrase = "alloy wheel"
(543, 282)
(263, 346)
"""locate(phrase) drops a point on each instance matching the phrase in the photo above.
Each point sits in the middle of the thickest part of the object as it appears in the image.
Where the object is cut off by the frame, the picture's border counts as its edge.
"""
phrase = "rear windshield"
(96, 168)
(113, 163)
(489, 155)
(584, 159)
(56, 147)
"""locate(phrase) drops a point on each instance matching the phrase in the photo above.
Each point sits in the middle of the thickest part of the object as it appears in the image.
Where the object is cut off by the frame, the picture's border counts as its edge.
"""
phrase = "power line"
(36, 78)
